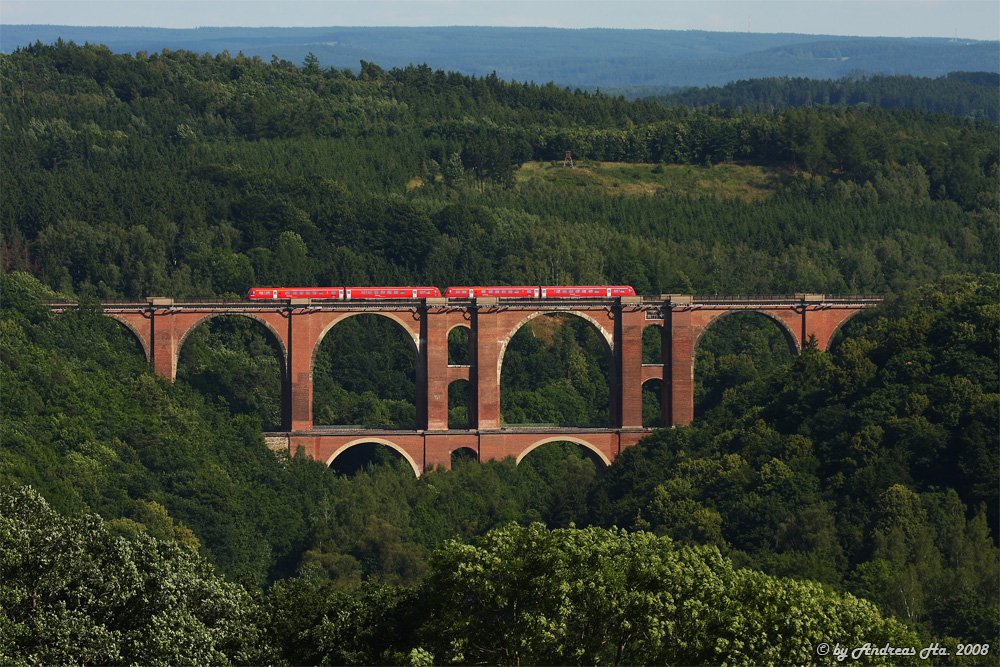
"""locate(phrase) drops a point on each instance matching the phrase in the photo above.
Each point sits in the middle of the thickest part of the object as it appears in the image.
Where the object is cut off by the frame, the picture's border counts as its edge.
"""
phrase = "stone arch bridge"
(299, 325)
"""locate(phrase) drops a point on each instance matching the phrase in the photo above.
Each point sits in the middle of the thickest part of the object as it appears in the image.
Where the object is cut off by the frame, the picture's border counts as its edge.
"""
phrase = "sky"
(965, 19)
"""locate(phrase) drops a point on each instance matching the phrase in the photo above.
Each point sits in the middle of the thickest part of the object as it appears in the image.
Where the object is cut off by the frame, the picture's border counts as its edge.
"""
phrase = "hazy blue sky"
(970, 19)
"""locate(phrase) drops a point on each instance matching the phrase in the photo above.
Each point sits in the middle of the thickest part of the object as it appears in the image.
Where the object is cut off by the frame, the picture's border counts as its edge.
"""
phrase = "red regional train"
(543, 292)
(500, 292)
(343, 293)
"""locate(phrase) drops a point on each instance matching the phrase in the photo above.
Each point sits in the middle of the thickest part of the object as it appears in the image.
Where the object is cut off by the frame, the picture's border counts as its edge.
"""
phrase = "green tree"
(526, 595)
(74, 593)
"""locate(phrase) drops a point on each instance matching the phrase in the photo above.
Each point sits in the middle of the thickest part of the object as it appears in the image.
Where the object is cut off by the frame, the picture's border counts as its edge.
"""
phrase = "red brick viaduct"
(299, 325)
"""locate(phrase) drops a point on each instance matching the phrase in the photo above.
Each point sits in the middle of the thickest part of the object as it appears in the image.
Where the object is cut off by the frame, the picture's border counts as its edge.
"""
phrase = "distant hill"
(650, 60)
(969, 94)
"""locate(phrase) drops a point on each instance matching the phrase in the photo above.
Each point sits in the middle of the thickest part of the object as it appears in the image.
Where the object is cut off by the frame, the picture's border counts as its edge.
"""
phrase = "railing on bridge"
(672, 300)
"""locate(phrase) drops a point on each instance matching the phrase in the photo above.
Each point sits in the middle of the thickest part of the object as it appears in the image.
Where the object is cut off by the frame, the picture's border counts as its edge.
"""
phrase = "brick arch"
(793, 341)
(267, 325)
(662, 327)
(470, 353)
(564, 438)
(608, 338)
(840, 325)
(414, 337)
(377, 441)
(467, 325)
(475, 454)
(143, 341)
(469, 400)
(664, 414)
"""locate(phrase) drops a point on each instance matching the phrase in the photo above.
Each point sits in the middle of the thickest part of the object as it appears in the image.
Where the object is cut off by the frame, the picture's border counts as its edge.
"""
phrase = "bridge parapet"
(648, 301)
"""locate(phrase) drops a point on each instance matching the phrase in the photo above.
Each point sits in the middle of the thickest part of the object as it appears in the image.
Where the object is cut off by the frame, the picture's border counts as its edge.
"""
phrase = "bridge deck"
(674, 301)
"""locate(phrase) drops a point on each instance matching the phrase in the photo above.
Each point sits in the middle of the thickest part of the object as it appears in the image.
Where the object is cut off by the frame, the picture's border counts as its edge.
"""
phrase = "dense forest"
(193, 176)
(847, 497)
(970, 94)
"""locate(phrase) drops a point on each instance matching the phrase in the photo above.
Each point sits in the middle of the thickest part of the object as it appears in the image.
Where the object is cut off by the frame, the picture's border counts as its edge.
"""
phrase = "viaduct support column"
(434, 332)
(303, 332)
(163, 343)
(628, 354)
(487, 375)
(665, 417)
(681, 383)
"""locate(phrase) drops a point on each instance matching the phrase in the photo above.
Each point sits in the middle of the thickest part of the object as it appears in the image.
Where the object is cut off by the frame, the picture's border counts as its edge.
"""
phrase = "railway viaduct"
(299, 325)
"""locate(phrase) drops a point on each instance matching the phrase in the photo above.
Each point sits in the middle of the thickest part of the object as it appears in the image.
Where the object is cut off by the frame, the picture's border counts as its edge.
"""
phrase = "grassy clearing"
(748, 183)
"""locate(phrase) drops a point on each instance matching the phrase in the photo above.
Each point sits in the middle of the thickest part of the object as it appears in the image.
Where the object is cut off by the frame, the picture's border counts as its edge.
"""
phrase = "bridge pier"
(680, 389)
(628, 356)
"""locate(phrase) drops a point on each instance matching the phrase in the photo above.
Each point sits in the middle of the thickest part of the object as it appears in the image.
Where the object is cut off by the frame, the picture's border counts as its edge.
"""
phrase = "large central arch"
(746, 345)
(413, 336)
(396, 387)
(608, 338)
(603, 334)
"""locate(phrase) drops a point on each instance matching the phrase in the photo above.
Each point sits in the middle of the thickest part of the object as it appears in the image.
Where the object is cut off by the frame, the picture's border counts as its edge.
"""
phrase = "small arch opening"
(735, 350)
(458, 346)
(652, 344)
(370, 457)
(236, 362)
(652, 403)
(463, 456)
(458, 404)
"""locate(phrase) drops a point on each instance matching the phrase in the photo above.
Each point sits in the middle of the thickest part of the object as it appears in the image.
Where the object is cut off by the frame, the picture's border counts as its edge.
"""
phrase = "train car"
(272, 293)
(499, 292)
(342, 293)
(355, 293)
(586, 291)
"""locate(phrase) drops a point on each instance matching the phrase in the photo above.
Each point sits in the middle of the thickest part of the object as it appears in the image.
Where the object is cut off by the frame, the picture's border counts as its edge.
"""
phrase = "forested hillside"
(867, 472)
(187, 175)
(970, 94)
